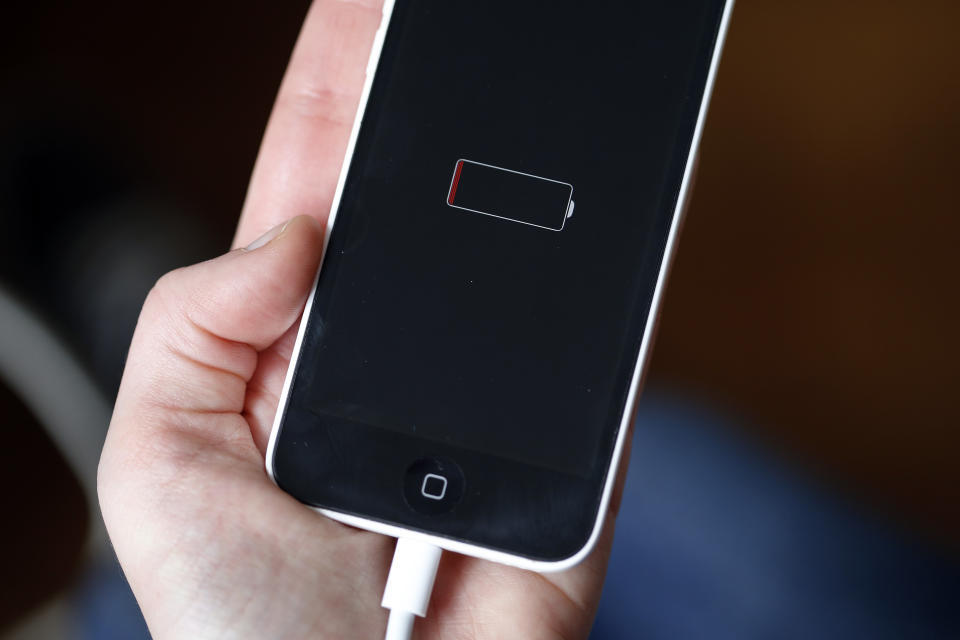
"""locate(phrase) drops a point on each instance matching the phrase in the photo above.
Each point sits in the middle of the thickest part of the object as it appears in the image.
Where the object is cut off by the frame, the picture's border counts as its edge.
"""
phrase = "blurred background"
(795, 469)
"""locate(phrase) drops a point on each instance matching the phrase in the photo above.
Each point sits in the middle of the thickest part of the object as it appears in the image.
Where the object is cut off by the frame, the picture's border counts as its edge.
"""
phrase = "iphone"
(468, 361)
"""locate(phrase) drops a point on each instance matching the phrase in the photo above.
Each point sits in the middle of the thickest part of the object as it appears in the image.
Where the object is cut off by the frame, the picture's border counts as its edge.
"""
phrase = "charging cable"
(409, 585)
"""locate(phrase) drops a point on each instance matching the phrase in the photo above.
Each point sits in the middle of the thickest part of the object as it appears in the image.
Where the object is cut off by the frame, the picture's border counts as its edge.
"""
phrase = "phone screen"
(491, 268)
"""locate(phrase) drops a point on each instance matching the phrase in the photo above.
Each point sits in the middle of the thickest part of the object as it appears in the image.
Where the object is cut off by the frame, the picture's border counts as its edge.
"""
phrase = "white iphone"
(468, 361)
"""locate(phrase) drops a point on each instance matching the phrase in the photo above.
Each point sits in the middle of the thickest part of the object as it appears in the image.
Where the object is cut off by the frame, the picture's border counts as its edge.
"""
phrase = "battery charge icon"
(510, 195)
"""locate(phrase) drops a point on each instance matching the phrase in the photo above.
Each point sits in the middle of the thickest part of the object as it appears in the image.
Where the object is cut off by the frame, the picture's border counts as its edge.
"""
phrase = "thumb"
(197, 340)
(251, 295)
(177, 429)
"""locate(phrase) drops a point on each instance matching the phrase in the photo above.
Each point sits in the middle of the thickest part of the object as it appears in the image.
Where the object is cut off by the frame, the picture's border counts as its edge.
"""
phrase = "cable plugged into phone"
(409, 585)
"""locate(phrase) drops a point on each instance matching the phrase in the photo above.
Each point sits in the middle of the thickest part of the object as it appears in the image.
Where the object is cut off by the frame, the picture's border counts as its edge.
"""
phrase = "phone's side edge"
(643, 356)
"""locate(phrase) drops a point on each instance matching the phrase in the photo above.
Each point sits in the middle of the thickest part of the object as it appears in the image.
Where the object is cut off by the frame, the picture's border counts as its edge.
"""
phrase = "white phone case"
(465, 547)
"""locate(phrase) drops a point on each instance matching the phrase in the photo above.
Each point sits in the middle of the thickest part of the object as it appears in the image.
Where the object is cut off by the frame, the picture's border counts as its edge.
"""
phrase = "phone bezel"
(467, 548)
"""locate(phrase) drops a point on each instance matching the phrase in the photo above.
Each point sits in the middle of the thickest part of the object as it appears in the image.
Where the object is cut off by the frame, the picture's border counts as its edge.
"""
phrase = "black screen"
(493, 260)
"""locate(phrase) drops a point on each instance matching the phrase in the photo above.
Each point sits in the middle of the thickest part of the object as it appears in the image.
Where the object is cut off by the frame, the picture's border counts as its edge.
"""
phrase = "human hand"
(210, 546)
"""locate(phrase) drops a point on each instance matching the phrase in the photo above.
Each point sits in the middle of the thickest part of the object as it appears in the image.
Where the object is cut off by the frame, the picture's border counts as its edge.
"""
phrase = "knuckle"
(166, 283)
(323, 103)
(164, 293)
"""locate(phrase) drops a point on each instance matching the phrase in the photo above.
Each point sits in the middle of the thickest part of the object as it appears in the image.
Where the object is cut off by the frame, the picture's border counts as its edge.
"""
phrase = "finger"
(303, 148)
(263, 390)
(200, 331)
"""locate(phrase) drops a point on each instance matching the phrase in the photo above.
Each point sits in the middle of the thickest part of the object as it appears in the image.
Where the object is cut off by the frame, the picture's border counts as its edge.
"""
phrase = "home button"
(433, 485)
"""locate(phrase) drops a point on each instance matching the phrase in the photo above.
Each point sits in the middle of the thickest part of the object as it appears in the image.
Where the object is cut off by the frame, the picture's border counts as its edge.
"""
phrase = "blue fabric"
(717, 539)
(105, 607)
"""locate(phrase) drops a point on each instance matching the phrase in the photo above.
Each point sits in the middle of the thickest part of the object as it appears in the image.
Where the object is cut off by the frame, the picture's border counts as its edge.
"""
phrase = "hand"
(210, 546)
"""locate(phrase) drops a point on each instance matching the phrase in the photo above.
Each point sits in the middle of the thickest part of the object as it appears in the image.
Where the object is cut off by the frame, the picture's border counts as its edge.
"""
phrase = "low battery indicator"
(510, 195)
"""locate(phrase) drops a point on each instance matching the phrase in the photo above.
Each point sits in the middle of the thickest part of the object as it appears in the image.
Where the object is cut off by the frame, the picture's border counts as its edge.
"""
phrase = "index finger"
(305, 141)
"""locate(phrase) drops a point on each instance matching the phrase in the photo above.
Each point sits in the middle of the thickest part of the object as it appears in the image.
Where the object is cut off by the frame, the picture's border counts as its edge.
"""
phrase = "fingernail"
(267, 237)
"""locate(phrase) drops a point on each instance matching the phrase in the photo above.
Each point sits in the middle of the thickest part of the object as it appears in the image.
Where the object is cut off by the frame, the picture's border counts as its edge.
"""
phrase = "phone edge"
(639, 368)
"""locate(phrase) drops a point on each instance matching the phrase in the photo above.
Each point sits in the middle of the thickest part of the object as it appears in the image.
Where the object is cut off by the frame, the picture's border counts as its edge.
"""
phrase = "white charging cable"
(409, 585)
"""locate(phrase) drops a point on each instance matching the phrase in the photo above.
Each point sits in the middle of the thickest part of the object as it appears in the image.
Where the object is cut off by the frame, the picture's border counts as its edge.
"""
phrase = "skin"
(211, 547)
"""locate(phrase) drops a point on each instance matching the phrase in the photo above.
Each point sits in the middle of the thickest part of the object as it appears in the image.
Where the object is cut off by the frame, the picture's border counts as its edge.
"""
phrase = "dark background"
(813, 294)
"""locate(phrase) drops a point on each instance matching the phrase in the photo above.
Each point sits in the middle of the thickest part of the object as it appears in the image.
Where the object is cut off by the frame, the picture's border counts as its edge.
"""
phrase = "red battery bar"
(510, 195)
